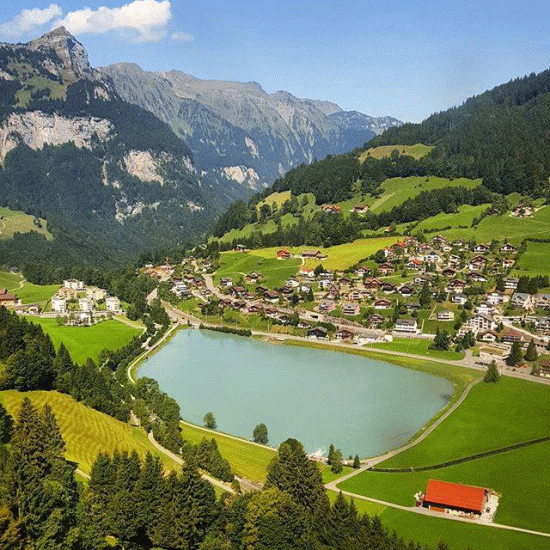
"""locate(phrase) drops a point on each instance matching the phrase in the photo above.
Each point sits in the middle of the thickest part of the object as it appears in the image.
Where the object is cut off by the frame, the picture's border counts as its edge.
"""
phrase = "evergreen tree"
(330, 454)
(516, 355)
(356, 462)
(336, 467)
(492, 375)
(209, 421)
(531, 353)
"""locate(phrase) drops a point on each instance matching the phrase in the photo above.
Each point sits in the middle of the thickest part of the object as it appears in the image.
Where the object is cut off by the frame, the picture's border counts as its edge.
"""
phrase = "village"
(458, 294)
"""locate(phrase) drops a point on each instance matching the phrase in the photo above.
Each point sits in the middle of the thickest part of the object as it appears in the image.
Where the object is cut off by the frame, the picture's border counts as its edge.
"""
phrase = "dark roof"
(455, 495)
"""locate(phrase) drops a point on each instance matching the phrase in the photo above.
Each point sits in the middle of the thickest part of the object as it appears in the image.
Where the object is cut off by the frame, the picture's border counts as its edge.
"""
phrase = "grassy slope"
(417, 151)
(84, 342)
(275, 272)
(18, 222)
(86, 432)
(463, 217)
(520, 477)
(247, 460)
(534, 261)
(398, 190)
(491, 417)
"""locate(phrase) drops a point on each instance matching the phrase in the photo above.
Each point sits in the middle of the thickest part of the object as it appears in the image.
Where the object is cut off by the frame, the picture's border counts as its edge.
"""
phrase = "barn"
(464, 498)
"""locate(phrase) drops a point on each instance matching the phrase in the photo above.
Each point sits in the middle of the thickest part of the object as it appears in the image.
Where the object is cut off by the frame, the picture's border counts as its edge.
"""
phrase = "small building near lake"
(442, 495)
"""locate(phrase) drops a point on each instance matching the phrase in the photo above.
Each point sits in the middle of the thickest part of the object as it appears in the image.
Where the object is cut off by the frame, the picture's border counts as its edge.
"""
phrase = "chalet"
(414, 263)
(507, 263)
(271, 296)
(511, 283)
(355, 296)
(306, 272)
(432, 257)
(240, 248)
(260, 289)
(311, 254)
(254, 308)
(460, 243)
(406, 325)
(386, 268)
(237, 290)
(449, 272)
(388, 288)
(508, 248)
(544, 368)
(477, 323)
(287, 291)
(510, 335)
(292, 283)
(456, 285)
(283, 255)
(482, 248)
(303, 324)
(372, 284)
(226, 282)
(454, 259)
(254, 277)
(324, 283)
(271, 313)
(332, 208)
(521, 300)
(413, 306)
(459, 299)
(375, 320)
(350, 308)
(8, 299)
(344, 334)
(326, 306)
(442, 495)
(406, 290)
(321, 333)
(439, 239)
(445, 315)
(206, 292)
(474, 276)
(542, 324)
(362, 271)
(238, 305)
(360, 209)
(344, 281)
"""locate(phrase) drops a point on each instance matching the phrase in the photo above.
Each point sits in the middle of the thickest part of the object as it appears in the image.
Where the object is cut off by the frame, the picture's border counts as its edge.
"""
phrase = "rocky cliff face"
(234, 124)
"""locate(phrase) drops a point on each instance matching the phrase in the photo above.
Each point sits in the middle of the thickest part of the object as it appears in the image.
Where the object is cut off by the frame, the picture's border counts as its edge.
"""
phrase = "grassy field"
(459, 536)
(246, 459)
(534, 261)
(86, 432)
(492, 416)
(29, 293)
(84, 342)
(10, 280)
(18, 222)
(236, 265)
(398, 190)
(515, 229)
(418, 347)
(463, 217)
(521, 478)
(417, 151)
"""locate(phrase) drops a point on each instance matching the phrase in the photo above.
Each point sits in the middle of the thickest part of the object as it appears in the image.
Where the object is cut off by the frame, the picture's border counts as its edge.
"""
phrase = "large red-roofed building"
(466, 498)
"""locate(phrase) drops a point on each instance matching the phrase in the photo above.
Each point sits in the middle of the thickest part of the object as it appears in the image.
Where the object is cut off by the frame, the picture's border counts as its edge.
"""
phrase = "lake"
(319, 397)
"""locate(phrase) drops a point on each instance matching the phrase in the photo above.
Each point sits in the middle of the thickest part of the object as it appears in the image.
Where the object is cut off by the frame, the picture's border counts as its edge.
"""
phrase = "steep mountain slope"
(238, 132)
(110, 178)
(500, 135)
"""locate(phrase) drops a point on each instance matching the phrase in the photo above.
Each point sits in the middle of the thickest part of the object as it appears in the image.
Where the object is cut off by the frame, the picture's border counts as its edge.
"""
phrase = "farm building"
(442, 495)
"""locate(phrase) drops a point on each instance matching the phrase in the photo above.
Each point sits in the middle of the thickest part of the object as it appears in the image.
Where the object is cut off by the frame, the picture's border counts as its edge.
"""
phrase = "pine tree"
(516, 356)
(330, 454)
(492, 375)
(356, 462)
(531, 353)
(336, 467)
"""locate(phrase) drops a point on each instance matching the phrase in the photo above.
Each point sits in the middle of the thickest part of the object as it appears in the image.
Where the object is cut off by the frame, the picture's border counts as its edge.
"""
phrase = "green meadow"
(247, 459)
(459, 536)
(236, 265)
(84, 342)
(86, 432)
(418, 347)
(520, 477)
(534, 261)
(491, 417)
(417, 151)
(398, 190)
(19, 222)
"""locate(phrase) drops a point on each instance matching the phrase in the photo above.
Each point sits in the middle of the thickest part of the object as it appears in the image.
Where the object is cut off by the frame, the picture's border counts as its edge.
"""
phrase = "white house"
(113, 303)
(74, 284)
(406, 325)
(86, 304)
(59, 304)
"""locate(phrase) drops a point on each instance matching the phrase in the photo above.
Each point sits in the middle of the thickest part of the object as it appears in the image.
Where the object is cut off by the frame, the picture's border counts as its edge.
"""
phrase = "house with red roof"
(441, 495)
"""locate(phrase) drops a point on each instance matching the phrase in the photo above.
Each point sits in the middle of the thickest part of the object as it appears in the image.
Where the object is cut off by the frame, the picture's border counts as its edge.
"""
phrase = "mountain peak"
(67, 47)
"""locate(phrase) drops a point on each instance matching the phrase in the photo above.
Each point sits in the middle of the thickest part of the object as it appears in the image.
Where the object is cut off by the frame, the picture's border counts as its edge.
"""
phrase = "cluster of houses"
(8, 299)
(83, 302)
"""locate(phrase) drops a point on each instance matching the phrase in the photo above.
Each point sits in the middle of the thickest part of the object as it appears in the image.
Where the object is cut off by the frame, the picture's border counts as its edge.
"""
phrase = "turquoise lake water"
(319, 397)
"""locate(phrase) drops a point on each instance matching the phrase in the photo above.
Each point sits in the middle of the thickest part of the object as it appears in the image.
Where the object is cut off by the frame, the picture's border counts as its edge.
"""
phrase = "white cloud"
(182, 37)
(146, 20)
(29, 20)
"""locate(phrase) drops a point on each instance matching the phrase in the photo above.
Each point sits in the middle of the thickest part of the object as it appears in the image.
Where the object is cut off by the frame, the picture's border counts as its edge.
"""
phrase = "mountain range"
(118, 160)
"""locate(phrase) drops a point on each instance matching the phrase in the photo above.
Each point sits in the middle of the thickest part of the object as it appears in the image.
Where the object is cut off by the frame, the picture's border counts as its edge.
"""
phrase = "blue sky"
(381, 57)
